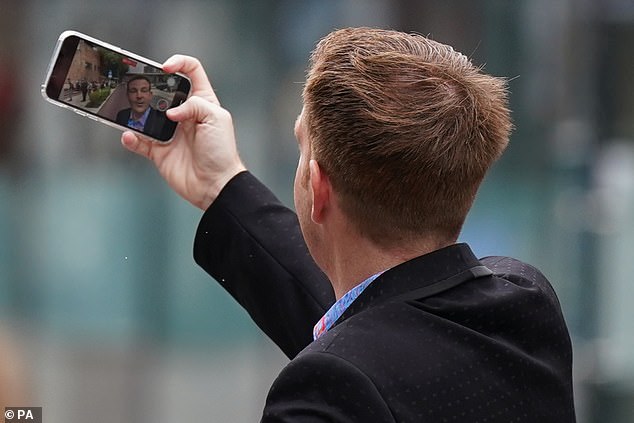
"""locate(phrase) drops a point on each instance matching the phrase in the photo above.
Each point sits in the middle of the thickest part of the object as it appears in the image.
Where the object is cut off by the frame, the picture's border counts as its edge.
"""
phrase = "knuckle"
(224, 115)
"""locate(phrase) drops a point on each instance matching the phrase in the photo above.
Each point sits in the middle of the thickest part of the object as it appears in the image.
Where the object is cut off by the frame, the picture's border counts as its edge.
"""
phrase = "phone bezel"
(49, 83)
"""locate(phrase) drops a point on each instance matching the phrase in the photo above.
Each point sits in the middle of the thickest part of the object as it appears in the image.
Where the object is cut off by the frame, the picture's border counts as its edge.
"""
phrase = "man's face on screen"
(139, 95)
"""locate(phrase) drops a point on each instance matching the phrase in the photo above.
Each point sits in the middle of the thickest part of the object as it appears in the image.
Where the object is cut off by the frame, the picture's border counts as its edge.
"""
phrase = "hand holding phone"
(203, 156)
(113, 86)
(198, 159)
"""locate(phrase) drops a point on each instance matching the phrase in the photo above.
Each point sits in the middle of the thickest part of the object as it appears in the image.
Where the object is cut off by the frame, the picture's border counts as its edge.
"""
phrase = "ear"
(320, 185)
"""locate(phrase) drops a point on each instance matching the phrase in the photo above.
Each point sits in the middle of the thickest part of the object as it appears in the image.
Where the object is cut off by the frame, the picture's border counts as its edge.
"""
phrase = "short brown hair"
(138, 77)
(405, 128)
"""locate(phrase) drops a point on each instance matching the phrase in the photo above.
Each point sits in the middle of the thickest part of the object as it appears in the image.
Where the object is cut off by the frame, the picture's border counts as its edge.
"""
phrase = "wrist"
(215, 188)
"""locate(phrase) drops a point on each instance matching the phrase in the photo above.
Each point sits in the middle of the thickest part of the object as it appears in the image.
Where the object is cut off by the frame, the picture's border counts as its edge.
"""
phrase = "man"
(395, 136)
(140, 115)
(83, 87)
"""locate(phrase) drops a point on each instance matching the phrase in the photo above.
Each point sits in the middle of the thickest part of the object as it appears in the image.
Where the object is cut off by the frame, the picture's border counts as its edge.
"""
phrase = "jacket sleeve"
(252, 245)
(322, 387)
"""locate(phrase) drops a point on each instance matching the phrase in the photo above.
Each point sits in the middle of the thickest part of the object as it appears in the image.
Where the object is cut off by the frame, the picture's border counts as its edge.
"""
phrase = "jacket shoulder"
(122, 116)
(521, 274)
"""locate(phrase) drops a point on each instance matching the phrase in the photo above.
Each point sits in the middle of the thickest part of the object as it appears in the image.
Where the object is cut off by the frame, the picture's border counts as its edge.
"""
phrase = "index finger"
(193, 69)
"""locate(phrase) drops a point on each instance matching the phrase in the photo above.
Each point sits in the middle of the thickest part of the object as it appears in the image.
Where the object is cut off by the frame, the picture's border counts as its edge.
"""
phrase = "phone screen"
(129, 92)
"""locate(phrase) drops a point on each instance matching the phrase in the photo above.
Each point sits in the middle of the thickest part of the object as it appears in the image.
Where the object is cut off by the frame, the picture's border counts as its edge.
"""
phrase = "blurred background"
(104, 316)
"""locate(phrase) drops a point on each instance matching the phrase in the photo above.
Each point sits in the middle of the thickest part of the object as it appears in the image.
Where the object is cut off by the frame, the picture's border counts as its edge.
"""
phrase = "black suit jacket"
(435, 339)
(156, 126)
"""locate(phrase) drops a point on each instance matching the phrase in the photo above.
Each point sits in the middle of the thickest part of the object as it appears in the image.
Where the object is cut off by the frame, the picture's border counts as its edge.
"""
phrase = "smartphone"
(110, 85)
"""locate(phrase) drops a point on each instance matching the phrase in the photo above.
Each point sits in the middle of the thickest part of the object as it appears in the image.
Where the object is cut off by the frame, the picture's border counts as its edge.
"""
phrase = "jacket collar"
(420, 272)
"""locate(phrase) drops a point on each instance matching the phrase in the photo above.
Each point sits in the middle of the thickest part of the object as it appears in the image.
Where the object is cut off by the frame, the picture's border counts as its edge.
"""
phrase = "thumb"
(195, 109)
(136, 144)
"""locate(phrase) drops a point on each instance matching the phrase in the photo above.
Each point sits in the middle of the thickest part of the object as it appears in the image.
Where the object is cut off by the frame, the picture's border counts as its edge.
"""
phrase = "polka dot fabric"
(493, 349)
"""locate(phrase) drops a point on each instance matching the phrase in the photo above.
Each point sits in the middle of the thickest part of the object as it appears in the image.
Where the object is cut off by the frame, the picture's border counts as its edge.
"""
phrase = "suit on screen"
(156, 126)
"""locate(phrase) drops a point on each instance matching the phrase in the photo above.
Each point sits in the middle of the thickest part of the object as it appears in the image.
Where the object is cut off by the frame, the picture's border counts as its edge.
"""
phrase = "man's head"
(404, 128)
(139, 94)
